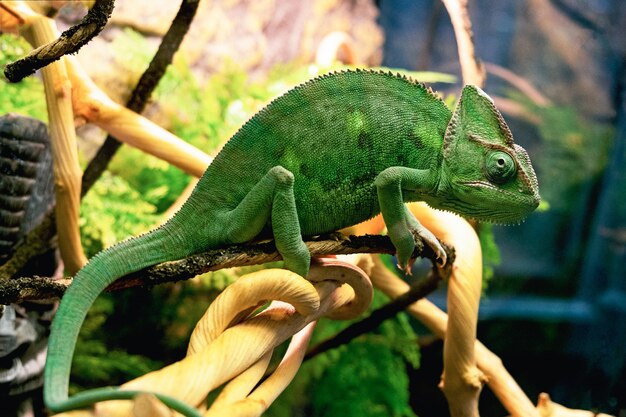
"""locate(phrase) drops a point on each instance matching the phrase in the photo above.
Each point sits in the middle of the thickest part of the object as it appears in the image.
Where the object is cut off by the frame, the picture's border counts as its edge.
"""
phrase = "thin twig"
(69, 42)
(147, 83)
(19, 18)
(417, 291)
(20, 289)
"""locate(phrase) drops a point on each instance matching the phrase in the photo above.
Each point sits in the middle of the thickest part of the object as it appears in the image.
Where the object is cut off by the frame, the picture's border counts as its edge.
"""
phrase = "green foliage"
(131, 55)
(162, 319)
(366, 380)
(155, 181)
(26, 97)
(112, 211)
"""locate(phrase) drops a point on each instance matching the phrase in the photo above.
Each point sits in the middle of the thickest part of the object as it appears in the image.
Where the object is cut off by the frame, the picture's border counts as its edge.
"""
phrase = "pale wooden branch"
(468, 264)
(461, 381)
(94, 106)
(68, 42)
(26, 288)
(547, 408)
(40, 30)
(499, 380)
(334, 46)
(496, 375)
(400, 303)
(258, 401)
(472, 69)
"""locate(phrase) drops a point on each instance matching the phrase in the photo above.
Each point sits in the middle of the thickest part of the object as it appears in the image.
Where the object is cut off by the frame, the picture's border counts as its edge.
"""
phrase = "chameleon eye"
(500, 167)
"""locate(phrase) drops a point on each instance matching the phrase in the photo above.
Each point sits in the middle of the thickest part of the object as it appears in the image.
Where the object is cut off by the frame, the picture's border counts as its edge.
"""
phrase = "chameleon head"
(488, 176)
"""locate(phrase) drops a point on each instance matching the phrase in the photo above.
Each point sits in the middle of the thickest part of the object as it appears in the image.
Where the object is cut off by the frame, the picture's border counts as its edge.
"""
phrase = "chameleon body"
(328, 154)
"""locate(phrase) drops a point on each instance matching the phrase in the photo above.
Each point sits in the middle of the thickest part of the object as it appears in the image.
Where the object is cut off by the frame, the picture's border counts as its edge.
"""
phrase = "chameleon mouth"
(510, 208)
(526, 199)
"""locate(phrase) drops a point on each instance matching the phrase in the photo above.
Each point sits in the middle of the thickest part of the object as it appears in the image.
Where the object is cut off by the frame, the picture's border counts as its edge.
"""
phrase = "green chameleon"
(328, 154)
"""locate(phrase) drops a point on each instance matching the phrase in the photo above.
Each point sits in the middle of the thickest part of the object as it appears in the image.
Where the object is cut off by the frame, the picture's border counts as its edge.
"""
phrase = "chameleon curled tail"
(128, 256)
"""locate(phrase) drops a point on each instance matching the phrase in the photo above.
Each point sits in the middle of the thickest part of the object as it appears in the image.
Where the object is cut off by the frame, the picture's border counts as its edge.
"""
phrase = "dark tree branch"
(147, 83)
(69, 42)
(31, 288)
(20, 289)
(417, 291)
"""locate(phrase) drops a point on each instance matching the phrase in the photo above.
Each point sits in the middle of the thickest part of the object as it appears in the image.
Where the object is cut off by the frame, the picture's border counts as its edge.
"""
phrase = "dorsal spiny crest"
(347, 72)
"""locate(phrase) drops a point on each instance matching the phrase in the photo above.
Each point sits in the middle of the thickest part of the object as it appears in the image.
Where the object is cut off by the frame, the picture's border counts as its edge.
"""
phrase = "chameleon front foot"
(410, 234)
(425, 236)
(403, 228)
(417, 238)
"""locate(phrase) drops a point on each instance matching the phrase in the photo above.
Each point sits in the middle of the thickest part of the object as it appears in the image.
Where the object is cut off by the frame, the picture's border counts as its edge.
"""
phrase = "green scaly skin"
(328, 154)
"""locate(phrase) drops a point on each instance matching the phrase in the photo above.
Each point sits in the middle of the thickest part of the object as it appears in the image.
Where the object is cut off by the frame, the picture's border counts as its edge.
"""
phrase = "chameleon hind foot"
(271, 199)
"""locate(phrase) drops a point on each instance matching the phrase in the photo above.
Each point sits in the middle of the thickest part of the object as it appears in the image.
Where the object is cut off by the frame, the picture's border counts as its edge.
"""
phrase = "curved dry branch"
(69, 42)
(29, 288)
(236, 345)
(499, 380)
(461, 380)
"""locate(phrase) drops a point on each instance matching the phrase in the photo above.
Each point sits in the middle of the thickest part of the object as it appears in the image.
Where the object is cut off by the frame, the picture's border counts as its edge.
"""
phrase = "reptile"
(328, 154)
